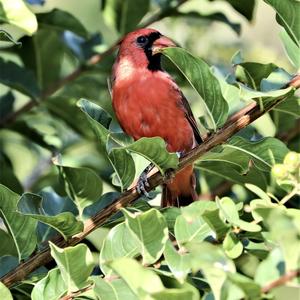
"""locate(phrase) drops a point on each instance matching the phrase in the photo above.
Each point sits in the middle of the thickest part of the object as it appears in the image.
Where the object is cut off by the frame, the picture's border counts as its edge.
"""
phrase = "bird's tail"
(180, 191)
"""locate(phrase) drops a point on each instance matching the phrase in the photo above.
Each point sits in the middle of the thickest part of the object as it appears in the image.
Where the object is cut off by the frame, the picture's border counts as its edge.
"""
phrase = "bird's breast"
(149, 104)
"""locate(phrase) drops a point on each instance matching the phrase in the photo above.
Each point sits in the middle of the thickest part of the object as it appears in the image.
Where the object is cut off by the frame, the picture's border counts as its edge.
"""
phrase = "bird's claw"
(142, 184)
(180, 154)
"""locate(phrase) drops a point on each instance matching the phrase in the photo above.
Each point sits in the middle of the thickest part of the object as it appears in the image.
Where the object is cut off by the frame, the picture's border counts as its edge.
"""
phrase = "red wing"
(189, 115)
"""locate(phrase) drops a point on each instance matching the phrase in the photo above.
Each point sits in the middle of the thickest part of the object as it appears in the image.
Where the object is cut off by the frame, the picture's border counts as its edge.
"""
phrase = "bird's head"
(143, 47)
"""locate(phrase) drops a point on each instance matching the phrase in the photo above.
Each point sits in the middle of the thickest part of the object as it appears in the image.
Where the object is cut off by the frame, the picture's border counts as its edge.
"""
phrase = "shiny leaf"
(124, 15)
(75, 265)
(61, 20)
(18, 78)
(65, 223)
(21, 228)
(287, 15)
(18, 14)
(151, 239)
(199, 75)
(120, 242)
(82, 185)
(51, 287)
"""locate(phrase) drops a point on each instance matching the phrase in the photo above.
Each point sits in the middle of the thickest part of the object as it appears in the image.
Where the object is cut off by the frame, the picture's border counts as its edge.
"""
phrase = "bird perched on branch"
(149, 103)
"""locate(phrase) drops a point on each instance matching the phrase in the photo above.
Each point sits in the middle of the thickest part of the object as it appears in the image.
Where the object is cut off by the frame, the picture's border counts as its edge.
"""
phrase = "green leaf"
(141, 280)
(286, 292)
(176, 291)
(35, 53)
(65, 223)
(264, 97)
(284, 232)
(112, 289)
(170, 214)
(290, 106)
(75, 265)
(5, 293)
(249, 287)
(61, 20)
(154, 150)
(212, 218)
(16, 13)
(105, 200)
(147, 285)
(229, 212)
(152, 239)
(264, 153)
(259, 192)
(231, 291)
(278, 79)
(257, 203)
(6, 104)
(18, 78)
(51, 287)
(65, 108)
(252, 73)
(124, 15)
(232, 245)
(248, 226)
(260, 250)
(7, 263)
(189, 229)
(213, 263)
(7, 176)
(291, 49)
(124, 167)
(6, 37)
(120, 242)
(121, 161)
(179, 263)
(199, 75)
(82, 185)
(190, 226)
(244, 8)
(7, 246)
(228, 171)
(287, 15)
(218, 16)
(269, 269)
(21, 228)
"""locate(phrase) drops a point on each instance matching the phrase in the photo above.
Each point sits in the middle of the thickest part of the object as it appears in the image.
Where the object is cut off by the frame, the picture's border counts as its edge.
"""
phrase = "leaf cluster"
(64, 158)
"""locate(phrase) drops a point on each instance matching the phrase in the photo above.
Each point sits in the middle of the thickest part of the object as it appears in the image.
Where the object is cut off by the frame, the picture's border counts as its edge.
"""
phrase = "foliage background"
(63, 192)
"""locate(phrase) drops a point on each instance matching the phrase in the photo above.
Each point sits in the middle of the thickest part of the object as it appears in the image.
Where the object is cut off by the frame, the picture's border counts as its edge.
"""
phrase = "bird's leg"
(180, 154)
(143, 181)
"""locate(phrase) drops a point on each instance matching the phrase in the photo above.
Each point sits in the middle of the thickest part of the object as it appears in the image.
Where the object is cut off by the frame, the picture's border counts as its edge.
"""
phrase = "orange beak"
(161, 43)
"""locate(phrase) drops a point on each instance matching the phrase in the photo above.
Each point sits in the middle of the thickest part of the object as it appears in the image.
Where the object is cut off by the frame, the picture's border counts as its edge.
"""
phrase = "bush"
(68, 227)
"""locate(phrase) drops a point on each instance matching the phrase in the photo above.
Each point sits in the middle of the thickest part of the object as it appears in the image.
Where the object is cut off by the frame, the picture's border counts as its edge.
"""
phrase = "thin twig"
(290, 195)
(220, 137)
(77, 293)
(281, 281)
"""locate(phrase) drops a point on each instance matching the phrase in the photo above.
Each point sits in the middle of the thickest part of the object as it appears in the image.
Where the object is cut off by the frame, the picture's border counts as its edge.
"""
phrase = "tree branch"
(281, 280)
(220, 137)
(97, 58)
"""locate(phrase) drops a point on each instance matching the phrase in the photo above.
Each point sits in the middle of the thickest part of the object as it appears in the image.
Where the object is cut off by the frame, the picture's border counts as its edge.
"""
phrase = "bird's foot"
(180, 154)
(142, 184)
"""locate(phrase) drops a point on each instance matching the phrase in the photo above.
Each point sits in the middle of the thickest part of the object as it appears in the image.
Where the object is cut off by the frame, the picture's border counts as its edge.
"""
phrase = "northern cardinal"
(148, 103)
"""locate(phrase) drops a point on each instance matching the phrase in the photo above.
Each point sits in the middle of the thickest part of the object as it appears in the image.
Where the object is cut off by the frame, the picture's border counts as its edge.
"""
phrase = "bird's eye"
(142, 40)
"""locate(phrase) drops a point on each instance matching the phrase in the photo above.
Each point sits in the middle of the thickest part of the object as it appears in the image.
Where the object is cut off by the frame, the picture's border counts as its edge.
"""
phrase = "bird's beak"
(161, 43)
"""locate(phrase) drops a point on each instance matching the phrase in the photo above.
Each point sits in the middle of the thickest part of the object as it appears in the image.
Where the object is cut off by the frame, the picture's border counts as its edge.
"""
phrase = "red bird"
(148, 103)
